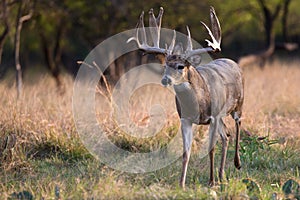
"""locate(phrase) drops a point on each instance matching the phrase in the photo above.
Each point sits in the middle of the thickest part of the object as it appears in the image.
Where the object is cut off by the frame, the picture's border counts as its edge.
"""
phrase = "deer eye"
(180, 67)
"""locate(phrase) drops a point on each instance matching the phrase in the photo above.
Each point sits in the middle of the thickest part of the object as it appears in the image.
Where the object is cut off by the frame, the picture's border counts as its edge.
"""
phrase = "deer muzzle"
(166, 81)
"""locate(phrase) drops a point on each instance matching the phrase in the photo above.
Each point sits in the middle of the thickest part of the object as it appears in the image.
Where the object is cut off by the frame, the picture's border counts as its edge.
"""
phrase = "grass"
(48, 160)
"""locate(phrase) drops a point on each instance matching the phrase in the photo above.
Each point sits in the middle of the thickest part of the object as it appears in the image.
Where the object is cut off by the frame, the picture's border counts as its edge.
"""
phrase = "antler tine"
(215, 34)
(189, 42)
(215, 25)
(159, 18)
(172, 45)
(155, 24)
(140, 25)
(153, 28)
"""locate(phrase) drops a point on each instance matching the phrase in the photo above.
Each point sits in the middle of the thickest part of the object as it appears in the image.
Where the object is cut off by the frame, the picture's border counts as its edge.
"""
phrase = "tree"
(21, 18)
(63, 32)
(269, 18)
(290, 46)
(286, 4)
(52, 23)
(5, 31)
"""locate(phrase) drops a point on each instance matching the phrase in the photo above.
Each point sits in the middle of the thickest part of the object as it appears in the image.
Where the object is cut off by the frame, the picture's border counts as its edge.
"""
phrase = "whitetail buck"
(205, 93)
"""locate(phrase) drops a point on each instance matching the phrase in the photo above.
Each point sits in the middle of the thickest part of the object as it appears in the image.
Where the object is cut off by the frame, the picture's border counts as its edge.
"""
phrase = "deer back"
(224, 81)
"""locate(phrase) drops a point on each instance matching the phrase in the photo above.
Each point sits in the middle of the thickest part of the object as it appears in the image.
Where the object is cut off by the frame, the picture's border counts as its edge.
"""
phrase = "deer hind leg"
(187, 136)
(212, 143)
(211, 158)
(224, 138)
(237, 161)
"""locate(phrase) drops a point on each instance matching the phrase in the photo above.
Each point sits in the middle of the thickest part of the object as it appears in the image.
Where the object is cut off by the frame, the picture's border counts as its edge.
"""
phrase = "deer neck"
(194, 97)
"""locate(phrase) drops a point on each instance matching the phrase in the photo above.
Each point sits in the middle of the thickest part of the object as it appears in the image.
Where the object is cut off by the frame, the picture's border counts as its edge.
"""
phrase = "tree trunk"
(269, 19)
(268, 25)
(57, 56)
(261, 57)
(19, 23)
(51, 62)
(284, 19)
(5, 32)
(53, 55)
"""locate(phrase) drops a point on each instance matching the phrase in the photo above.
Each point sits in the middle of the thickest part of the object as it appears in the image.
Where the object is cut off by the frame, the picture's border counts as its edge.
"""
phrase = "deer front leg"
(187, 137)
(211, 158)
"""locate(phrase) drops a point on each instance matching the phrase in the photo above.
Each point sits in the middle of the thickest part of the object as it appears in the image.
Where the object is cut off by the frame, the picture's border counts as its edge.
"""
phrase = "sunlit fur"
(204, 95)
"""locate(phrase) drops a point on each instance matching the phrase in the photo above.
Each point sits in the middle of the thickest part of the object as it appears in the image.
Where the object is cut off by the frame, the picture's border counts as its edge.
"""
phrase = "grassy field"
(42, 157)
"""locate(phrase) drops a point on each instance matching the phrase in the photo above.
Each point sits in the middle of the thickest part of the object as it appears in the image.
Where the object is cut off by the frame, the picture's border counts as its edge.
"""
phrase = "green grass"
(73, 174)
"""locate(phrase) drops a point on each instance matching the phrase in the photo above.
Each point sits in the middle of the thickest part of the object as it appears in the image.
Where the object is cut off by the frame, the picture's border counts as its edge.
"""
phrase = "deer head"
(174, 58)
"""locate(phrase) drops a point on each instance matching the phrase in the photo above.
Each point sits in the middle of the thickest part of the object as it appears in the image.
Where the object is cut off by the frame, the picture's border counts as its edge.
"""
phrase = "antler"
(215, 34)
(155, 27)
(155, 24)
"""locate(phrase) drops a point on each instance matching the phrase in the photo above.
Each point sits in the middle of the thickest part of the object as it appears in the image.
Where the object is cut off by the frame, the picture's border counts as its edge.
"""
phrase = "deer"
(204, 94)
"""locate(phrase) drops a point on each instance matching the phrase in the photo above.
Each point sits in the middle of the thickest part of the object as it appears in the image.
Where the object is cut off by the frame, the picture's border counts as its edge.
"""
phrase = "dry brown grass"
(271, 107)
(40, 117)
(272, 99)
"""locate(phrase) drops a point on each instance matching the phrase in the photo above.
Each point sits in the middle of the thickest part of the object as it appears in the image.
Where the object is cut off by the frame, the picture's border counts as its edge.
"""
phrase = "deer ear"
(194, 60)
(161, 58)
(178, 49)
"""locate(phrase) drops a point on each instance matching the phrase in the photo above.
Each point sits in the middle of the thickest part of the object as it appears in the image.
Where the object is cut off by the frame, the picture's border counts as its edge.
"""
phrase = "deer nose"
(166, 81)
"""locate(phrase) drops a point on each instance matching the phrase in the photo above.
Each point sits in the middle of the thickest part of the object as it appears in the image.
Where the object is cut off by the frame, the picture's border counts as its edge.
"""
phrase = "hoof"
(182, 185)
(211, 184)
(237, 163)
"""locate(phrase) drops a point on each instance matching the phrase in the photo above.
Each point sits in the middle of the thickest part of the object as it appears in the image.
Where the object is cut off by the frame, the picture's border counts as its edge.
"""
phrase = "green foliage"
(252, 147)
(258, 153)
(86, 178)
(86, 23)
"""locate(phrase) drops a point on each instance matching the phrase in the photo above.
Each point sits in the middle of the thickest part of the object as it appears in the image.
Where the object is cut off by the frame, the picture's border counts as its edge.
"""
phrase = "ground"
(42, 155)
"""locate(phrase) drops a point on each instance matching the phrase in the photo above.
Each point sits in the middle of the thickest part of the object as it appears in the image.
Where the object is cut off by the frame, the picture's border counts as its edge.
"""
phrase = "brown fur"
(218, 90)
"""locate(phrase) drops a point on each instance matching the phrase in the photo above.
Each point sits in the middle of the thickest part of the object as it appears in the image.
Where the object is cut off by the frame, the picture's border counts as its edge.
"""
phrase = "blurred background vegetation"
(57, 33)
